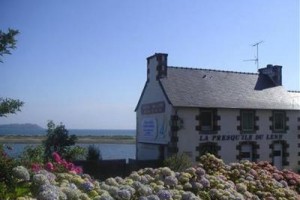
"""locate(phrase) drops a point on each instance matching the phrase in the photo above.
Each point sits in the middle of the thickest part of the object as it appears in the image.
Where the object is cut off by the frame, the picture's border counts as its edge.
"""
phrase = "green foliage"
(58, 139)
(7, 41)
(6, 165)
(75, 153)
(93, 154)
(32, 155)
(178, 162)
(9, 106)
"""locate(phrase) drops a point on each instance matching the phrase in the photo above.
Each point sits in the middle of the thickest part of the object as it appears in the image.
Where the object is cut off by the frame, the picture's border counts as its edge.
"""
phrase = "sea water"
(108, 151)
(79, 132)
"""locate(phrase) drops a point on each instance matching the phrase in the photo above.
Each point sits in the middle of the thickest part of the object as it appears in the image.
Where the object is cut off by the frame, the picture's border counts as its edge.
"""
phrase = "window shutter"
(217, 128)
(217, 118)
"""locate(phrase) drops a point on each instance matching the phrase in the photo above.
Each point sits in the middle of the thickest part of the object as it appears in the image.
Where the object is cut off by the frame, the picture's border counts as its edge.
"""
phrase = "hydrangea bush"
(209, 180)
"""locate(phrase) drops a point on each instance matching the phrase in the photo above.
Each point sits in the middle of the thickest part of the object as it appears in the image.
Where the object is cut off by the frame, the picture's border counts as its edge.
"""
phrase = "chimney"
(157, 66)
(273, 73)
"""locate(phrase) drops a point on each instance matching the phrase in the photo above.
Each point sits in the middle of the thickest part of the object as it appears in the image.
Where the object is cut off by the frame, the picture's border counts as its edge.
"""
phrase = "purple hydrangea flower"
(87, 186)
(171, 181)
(164, 195)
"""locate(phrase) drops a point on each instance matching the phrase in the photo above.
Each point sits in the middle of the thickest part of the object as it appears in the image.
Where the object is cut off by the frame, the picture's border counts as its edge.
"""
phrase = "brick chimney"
(274, 73)
(157, 66)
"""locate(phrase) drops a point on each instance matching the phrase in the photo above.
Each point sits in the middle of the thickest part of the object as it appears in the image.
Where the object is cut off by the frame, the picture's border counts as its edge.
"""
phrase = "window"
(248, 121)
(207, 120)
(279, 121)
(209, 147)
(248, 151)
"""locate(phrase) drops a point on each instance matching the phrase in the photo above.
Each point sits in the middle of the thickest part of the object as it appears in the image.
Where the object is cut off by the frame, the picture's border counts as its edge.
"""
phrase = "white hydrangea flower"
(124, 194)
(48, 192)
(21, 173)
(40, 179)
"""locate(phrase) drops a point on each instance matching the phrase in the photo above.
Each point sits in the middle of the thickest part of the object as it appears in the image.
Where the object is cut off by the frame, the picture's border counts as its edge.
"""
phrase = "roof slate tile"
(190, 87)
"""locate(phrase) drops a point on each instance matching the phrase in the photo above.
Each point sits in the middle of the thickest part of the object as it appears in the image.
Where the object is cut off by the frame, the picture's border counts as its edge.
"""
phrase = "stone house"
(234, 115)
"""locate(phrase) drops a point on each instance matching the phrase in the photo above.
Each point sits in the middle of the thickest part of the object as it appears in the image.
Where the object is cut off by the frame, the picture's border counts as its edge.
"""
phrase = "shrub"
(178, 162)
(57, 140)
(74, 153)
(6, 168)
(93, 153)
(32, 155)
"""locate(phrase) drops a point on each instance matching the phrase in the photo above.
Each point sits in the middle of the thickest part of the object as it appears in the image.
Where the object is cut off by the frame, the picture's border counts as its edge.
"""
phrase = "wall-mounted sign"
(152, 108)
(153, 130)
(241, 137)
(149, 128)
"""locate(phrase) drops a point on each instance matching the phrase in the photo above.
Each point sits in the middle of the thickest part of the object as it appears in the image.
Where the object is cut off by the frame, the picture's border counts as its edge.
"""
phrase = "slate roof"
(189, 87)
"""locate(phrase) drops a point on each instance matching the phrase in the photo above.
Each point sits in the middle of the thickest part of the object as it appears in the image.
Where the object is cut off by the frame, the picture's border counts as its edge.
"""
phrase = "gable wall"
(152, 128)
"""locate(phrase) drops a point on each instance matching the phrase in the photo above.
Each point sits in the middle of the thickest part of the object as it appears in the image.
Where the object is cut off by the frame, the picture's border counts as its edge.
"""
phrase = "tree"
(7, 43)
(9, 106)
(58, 139)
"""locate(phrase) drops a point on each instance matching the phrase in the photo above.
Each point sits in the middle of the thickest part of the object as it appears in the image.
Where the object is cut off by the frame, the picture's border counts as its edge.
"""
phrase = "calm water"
(108, 151)
(81, 132)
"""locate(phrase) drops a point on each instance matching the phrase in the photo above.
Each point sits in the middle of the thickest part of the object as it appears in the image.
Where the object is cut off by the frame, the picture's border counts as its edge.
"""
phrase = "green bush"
(32, 155)
(58, 139)
(93, 154)
(7, 183)
(178, 162)
(74, 153)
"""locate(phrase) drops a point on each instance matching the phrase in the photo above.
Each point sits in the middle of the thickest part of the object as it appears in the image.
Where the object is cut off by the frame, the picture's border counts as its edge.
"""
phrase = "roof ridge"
(294, 91)
(213, 70)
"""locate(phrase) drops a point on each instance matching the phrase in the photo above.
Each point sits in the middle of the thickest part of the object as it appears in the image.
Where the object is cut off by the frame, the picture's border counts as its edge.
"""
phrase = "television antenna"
(256, 59)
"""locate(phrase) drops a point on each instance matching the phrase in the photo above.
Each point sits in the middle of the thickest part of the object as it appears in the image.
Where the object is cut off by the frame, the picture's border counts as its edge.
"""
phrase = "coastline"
(90, 139)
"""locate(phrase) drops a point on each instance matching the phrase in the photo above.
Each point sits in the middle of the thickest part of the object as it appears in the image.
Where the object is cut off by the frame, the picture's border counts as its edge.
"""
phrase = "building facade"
(233, 115)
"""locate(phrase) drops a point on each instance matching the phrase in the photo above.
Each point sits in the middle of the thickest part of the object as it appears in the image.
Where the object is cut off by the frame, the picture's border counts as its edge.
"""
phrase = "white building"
(233, 115)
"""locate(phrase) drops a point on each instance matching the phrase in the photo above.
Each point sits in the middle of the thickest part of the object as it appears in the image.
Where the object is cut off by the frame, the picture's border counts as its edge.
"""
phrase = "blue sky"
(83, 63)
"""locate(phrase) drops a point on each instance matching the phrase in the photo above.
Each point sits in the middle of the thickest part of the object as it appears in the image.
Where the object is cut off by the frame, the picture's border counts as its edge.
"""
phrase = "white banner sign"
(149, 128)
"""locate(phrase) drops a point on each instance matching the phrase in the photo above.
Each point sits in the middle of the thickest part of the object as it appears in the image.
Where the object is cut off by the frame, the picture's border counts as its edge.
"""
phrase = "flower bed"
(210, 179)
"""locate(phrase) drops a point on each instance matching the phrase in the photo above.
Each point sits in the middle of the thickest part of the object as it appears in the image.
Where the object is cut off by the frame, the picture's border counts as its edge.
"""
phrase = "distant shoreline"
(37, 139)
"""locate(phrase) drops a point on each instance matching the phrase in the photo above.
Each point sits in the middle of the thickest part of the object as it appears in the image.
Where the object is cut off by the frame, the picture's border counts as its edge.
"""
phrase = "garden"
(211, 178)
(47, 172)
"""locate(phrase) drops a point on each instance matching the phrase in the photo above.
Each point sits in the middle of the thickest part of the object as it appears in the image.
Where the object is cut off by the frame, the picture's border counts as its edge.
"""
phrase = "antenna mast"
(256, 59)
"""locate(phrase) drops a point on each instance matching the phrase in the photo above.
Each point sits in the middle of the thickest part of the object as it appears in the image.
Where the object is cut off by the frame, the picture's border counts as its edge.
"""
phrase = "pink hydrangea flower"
(71, 166)
(49, 166)
(56, 157)
(36, 167)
